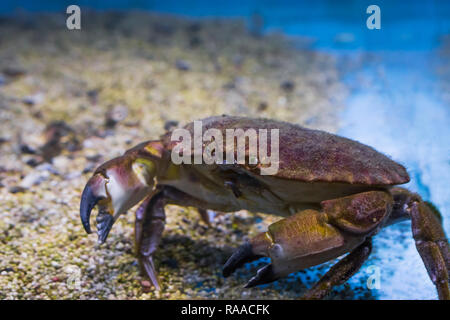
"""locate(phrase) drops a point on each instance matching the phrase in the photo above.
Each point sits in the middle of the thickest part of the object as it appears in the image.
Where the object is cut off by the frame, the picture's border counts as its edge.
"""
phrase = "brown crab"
(334, 194)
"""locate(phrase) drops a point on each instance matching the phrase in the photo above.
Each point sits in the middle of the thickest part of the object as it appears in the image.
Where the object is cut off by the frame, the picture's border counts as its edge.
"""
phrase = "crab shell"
(311, 155)
(313, 166)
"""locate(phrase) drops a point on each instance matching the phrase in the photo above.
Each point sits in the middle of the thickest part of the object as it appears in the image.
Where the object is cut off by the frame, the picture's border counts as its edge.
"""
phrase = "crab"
(333, 194)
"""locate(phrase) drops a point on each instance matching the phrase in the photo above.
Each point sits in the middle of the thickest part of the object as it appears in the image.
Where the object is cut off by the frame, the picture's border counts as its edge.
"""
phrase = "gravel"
(74, 78)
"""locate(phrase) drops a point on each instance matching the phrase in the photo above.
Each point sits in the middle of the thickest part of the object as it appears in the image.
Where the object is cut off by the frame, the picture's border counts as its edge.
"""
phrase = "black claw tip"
(264, 275)
(242, 255)
(88, 202)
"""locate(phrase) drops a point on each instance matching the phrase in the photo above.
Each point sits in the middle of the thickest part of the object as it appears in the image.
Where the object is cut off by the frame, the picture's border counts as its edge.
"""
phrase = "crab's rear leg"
(430, 239)
(340, 272)
(429, 236)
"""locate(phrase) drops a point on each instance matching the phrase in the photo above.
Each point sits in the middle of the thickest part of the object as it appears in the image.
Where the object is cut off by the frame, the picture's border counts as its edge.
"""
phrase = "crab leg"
(432, 246)
(149, 226)
(150, 222)
(429, 236)
(340, 272)
(204, 216)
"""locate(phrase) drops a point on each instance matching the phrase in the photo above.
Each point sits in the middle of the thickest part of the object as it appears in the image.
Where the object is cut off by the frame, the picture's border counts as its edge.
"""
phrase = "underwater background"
(137, 65)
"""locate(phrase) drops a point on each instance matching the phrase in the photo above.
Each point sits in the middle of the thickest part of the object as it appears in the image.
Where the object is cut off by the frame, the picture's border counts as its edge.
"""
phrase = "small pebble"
(34, 178)
(171, 263)
(287, 85)
(34, 99)
(26, 149)
(13, 72)
(17, 189)
(170, 125)
(262, 106)
(183, 65)
(115, 115)
(146, 286)
(93, 95)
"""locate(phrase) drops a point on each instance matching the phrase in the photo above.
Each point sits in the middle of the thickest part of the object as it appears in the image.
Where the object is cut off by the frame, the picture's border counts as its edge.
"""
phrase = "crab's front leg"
(121, 183)
(117, 186)
(149, 226)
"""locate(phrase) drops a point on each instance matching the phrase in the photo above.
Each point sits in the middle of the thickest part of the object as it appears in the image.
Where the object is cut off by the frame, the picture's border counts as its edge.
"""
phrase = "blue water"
(405, 24)
(396, 107)
(395, 104)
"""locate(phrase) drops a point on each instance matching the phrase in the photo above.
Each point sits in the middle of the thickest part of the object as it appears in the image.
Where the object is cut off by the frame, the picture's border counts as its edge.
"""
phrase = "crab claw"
(295, 243)
(94, 191)
(242, 255)
(264, 275)
(116, 186)
(245, 253)
(250, 251)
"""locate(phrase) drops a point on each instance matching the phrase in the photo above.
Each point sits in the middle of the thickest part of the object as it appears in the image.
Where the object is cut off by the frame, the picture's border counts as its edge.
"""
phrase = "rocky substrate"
(70, 100)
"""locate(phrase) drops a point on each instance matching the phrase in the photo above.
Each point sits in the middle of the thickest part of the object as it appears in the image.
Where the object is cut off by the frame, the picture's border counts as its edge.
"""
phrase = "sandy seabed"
(70, 100)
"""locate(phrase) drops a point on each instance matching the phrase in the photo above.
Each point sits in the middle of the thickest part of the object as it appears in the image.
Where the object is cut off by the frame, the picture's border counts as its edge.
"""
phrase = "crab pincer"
(292, 244)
